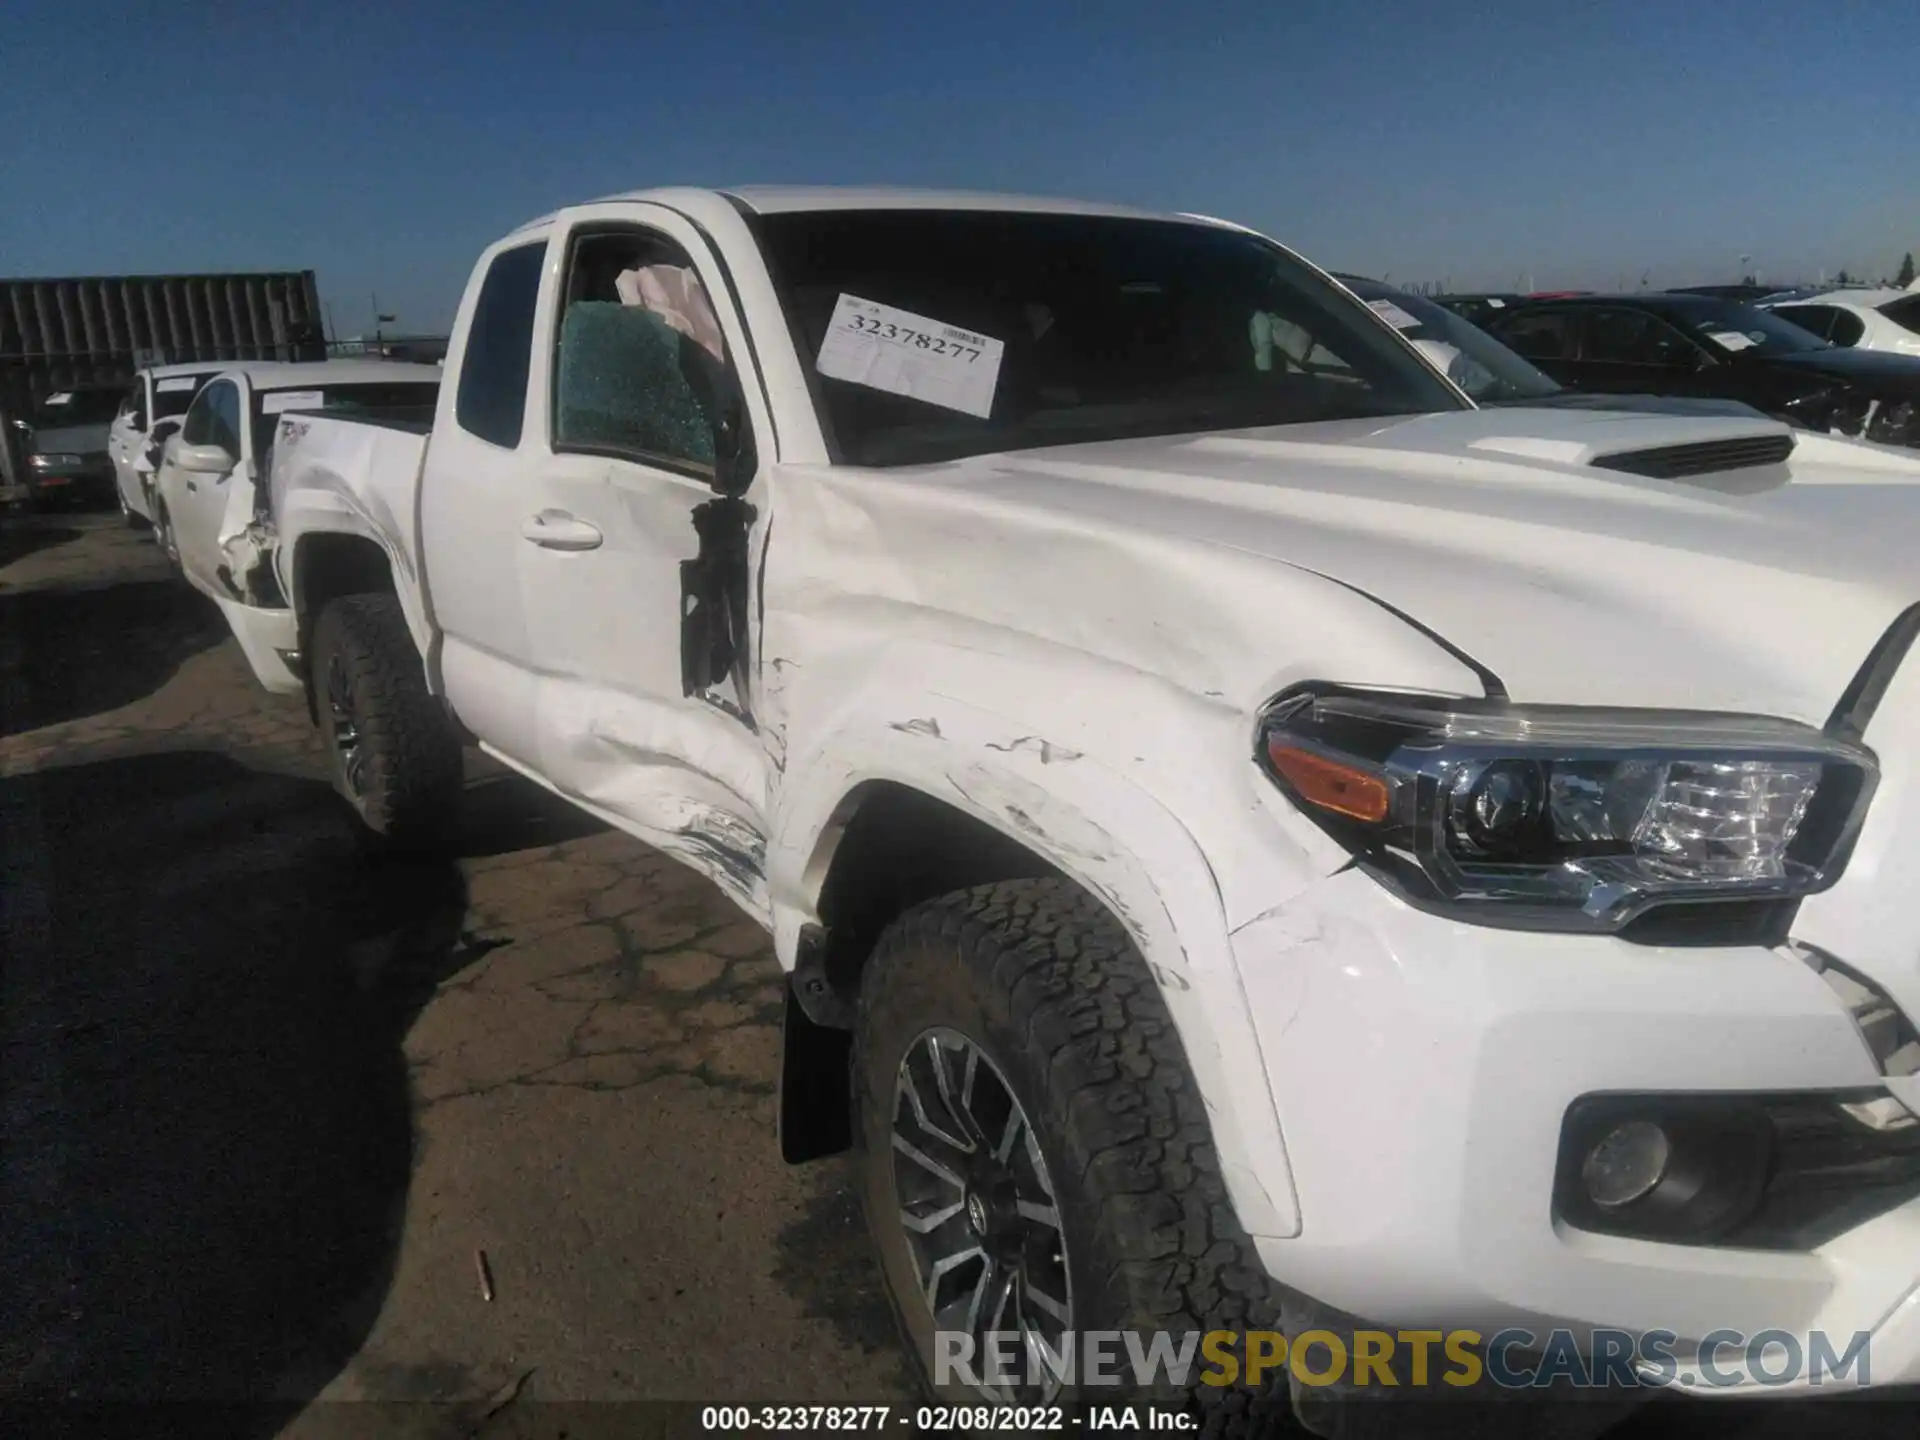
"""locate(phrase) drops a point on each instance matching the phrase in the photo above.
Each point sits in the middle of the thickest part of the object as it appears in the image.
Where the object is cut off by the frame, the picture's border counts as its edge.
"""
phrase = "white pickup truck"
(1257, 841)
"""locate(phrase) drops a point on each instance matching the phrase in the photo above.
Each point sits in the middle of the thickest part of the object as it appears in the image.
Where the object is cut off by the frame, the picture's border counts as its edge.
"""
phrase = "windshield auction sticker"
(906, 354)
(1393, 315)
(277, 402)
(175, 382)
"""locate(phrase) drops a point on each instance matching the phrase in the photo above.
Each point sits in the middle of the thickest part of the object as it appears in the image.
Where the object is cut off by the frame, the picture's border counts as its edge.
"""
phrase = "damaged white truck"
(1257, 841)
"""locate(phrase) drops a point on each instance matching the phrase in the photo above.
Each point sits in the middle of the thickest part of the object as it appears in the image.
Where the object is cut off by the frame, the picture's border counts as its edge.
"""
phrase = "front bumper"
(1422, 1069)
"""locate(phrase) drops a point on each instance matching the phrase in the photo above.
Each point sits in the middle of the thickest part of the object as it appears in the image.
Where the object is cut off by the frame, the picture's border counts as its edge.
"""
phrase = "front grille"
(1677, 462)
(1881, 1022)
(1829, 1174)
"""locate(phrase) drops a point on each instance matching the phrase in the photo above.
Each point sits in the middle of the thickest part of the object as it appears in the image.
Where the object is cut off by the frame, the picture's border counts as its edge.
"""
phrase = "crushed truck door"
(631, 554)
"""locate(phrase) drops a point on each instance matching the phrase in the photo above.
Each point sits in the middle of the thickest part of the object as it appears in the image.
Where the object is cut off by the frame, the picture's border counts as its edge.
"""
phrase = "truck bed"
(329, 474)
(367, 464)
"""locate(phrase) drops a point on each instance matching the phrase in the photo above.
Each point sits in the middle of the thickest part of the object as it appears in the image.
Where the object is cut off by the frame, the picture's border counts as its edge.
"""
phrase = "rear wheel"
(396, 758)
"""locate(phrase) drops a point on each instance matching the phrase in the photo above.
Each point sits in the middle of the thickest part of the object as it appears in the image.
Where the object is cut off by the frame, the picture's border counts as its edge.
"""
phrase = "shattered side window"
(639, 353)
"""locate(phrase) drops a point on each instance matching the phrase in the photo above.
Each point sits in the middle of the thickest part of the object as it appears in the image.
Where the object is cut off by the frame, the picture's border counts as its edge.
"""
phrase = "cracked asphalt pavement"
(266, 1097)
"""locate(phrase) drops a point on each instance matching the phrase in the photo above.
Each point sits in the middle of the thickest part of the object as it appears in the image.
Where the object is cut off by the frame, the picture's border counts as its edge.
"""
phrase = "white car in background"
(228, 430)
(1858, 319)
(150, 413)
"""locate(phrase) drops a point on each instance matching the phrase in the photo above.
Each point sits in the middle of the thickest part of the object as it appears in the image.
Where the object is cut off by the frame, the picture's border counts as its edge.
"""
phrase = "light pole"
(379, 336)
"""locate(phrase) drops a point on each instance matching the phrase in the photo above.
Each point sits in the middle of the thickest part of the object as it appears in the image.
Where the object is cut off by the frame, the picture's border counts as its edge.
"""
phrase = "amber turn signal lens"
(1329, 785)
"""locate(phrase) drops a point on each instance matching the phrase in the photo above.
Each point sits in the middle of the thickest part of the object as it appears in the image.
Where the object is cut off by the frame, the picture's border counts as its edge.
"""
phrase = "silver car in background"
(66, 445)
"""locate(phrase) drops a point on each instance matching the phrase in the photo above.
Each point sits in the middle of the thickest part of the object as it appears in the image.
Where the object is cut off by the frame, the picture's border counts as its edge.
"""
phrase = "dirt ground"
(266, 1099)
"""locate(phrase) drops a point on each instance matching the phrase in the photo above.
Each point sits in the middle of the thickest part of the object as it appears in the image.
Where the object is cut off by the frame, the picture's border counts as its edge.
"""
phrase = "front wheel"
(1036, 1161)
(396, 758)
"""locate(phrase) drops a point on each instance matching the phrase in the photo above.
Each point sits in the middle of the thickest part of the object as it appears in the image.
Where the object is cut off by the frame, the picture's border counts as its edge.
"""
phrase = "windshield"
(931, 335)
(62, 408)
(172, 394)
(1475, 361)
(397, 400)
(1733, 326)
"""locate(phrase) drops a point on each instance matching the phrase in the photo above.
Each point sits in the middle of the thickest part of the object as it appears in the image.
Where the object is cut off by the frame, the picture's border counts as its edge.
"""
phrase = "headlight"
(55, 461)
(1564, 817)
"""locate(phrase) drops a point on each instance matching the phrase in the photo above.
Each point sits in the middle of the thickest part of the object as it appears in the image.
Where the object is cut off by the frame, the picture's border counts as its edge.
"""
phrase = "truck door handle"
(557, 530)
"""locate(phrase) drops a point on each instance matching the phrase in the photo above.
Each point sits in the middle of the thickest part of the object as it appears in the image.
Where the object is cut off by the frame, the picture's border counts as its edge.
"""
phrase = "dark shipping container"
(98, 330)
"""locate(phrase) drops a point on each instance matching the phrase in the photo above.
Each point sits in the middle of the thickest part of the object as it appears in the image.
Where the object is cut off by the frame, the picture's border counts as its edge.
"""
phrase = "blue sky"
(383, 144)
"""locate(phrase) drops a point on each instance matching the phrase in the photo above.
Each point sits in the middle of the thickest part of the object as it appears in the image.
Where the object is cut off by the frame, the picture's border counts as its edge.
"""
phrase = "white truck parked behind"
(1255, 839)
(149, 415)
(208, 507)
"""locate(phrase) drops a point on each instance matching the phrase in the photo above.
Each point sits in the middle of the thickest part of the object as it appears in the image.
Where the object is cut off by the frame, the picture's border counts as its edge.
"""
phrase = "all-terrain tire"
(396, 757)
(1042, 978)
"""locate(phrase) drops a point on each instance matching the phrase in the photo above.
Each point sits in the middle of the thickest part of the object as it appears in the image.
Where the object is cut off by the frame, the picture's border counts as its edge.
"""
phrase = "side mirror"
(205, 459)
(138, 420)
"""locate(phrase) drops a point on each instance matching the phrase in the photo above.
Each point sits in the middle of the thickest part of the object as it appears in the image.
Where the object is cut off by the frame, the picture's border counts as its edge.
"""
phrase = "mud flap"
(816, 1087)
(715, 588)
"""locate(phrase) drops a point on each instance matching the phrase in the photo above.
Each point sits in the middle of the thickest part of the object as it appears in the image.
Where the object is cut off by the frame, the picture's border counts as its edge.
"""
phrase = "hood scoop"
(1657, 446)
(1710, 457)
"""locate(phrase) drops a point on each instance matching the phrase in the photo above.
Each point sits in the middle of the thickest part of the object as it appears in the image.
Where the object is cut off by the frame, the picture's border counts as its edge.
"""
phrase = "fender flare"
(313, 514)
(1105, 833)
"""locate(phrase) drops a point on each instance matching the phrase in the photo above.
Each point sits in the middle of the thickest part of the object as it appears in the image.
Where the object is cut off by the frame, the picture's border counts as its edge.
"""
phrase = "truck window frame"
(502, 335)
(587, 232)
(194, 422)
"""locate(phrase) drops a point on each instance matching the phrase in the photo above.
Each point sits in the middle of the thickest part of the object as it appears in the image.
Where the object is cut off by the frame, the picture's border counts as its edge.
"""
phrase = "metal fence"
(100, 329)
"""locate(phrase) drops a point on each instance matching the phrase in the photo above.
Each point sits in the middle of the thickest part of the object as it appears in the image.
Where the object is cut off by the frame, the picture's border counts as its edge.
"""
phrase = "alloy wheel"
(978, 1211)
(347, 745)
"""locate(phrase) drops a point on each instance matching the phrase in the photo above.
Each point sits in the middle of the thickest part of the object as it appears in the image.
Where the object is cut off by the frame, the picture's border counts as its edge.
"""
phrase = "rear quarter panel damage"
(336, 477)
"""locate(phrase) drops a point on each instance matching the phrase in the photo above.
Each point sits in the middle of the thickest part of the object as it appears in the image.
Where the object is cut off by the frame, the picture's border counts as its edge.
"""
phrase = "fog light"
(1626, 1164)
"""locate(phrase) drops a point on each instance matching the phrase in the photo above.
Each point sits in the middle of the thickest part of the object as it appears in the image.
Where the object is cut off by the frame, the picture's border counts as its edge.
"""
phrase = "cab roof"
(794, 199)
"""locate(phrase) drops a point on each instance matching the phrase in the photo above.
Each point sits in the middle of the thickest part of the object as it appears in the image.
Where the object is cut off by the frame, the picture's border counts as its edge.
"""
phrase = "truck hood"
(1654, 404)
(1759, 588)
